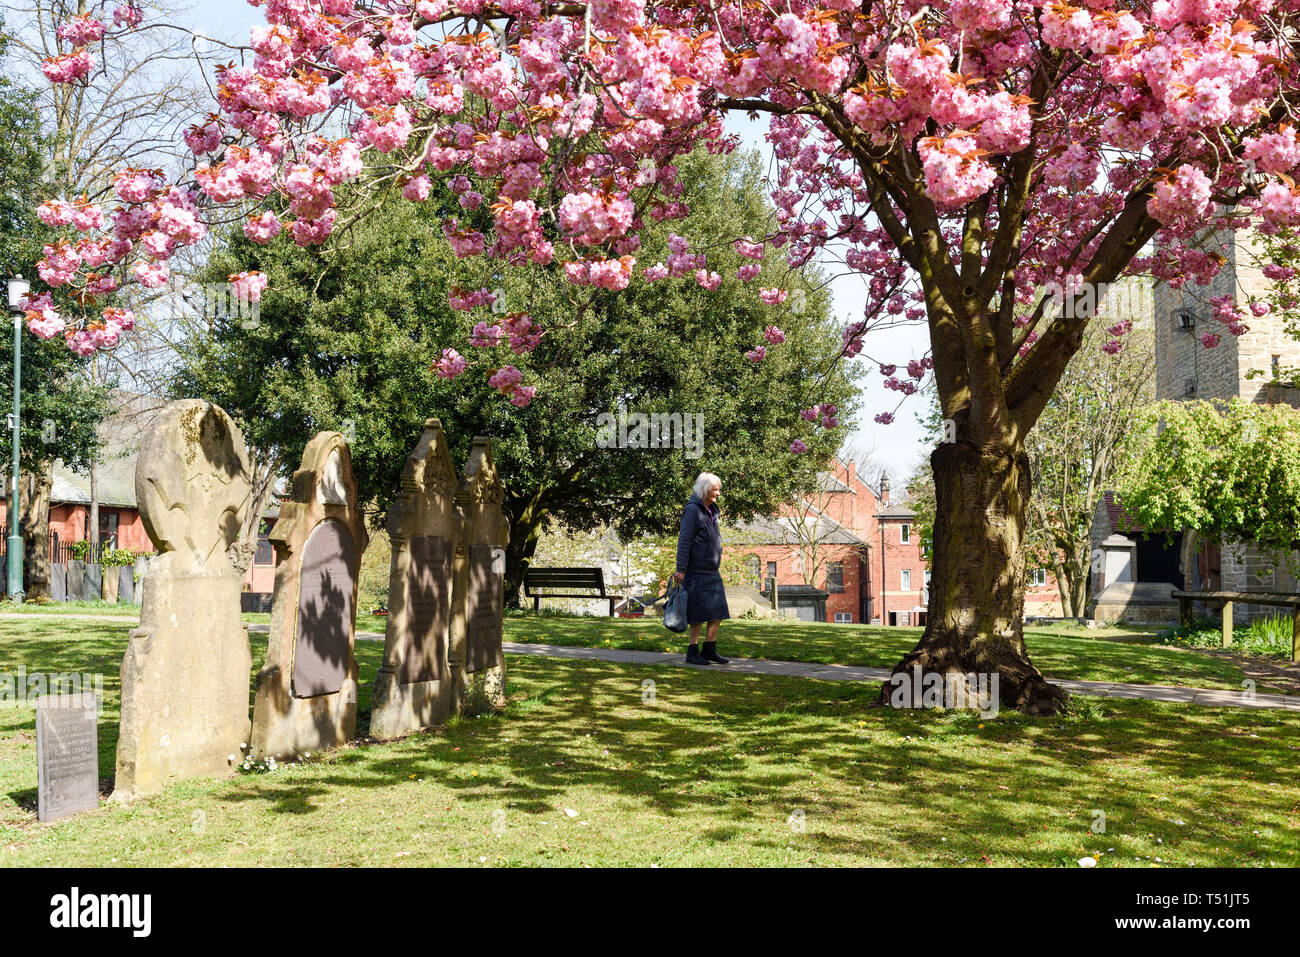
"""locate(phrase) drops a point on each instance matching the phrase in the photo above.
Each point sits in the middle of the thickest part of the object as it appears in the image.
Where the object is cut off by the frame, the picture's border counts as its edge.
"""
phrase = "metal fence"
(61, 552)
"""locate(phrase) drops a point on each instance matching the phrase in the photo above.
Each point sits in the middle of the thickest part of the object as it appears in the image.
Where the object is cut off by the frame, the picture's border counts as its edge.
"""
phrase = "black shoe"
(711, 654)
(693, 656)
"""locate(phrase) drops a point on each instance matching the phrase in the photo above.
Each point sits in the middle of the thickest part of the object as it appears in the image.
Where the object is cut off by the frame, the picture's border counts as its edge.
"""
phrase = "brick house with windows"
(825, 552)
(120, 523)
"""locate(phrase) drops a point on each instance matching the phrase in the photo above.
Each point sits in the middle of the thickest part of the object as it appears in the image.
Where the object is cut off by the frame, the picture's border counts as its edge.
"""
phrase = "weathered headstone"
(111, 580)
(476, 658)
(125, 585)
(59, 582)
(67, 755)
(185, 674)
(412, 689)
(307, 693)
(93, 589)
(76, 580)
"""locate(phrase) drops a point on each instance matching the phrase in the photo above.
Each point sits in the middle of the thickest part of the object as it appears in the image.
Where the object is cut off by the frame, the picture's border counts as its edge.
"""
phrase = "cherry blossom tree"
(986, 166)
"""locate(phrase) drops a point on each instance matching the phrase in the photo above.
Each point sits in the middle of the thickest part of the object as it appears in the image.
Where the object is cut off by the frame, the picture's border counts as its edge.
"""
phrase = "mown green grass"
(1061, 650)
(709, 769)
(1116, 655)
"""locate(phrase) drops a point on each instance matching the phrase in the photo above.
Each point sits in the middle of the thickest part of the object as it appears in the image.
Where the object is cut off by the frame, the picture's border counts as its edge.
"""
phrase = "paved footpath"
(1215, 698)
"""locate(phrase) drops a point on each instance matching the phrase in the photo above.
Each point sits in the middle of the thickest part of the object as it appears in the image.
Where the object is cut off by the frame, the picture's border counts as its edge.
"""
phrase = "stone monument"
(413, 689)
(307, 693)
(186, 669)
(475, 658)
(67, 755)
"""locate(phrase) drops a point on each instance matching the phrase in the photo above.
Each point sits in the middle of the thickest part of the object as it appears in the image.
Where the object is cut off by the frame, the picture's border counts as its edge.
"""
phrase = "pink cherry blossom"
(451, 364)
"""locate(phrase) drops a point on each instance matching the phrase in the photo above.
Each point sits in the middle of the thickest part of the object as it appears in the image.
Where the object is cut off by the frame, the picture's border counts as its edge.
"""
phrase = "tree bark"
(519, 555)
(92, 523)
(977, 594)
(35, 525)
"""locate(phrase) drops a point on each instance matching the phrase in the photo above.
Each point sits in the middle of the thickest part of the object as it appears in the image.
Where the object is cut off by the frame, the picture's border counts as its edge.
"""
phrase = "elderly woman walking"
(699, 554)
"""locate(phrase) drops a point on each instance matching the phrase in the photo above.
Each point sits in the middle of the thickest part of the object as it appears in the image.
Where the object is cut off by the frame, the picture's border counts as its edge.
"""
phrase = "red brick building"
(849, 554)
(843, 554)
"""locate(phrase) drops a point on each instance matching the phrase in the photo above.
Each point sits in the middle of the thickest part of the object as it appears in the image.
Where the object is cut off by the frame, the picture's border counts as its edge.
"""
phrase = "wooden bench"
(1225, 601)
(541, 583)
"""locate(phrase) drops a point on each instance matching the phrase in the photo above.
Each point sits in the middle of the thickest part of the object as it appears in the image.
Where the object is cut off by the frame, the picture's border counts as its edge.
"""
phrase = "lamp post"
(18, 287)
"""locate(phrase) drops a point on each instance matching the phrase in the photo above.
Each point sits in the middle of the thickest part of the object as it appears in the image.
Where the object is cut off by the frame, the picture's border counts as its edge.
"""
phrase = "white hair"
(702, 484)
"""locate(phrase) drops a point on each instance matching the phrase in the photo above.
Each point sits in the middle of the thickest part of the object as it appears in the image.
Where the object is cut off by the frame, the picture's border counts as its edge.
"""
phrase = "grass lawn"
(1072, 652)
(715, 769)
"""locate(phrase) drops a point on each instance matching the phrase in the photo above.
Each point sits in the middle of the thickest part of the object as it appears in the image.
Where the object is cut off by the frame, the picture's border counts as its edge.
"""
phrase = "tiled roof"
(1119, 519)
(780, 531)
(896, 511)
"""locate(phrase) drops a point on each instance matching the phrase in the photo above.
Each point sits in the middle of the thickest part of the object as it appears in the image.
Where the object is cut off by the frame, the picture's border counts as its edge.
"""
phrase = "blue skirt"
(706, 597)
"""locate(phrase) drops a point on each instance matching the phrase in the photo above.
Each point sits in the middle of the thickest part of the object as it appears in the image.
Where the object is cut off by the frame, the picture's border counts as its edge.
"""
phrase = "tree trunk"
(519, 555)
(35, 525)
(977, 595)
(92, 523)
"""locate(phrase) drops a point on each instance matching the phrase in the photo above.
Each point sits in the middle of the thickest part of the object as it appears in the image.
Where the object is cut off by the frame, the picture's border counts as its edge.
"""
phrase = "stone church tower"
(1238, 367)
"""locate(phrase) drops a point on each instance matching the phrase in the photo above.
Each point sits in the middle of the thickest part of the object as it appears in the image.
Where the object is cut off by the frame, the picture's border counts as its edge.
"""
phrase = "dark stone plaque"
(484, 611)
(76, 580)
(59, 582)
(67, 755)
(428, 609)
(125, 585)
(327, 580)
(94, 587)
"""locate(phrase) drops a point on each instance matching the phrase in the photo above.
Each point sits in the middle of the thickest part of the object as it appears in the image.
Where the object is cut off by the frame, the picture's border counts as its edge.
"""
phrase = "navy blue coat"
(699, 543)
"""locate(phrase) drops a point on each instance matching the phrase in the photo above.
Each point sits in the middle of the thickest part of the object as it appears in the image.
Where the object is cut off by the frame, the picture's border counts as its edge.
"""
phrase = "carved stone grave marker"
(185, 673)
(67, 755)
(412, 689)
(307, 693)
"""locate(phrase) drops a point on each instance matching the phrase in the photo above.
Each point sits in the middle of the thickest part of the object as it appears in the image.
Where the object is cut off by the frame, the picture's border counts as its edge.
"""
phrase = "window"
(906, 579)
(752, 571)
(108, 528)
(834, 577)
(771, 570)
(905, 534)
(843, 618)
(265, 550)
(925, 595)
(1038, 577)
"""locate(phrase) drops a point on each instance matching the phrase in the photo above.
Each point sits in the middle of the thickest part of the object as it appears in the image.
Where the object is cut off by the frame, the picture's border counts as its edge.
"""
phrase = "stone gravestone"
(412, 689)
(59, 582)
(307, 693)
(186, 670)
(475, 658)
(76, 580)
(125, 585)
(67, 755)
(93, 589)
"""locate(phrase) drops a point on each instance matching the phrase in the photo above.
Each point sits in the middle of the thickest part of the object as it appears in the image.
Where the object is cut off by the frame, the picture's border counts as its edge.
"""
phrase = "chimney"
(884, 488)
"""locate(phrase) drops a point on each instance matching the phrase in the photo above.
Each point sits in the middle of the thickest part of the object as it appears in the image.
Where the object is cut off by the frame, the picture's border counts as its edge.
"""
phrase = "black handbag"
(675, 609)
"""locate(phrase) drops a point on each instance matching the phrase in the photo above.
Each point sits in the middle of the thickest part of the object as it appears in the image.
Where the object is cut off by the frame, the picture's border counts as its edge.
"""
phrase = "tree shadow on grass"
(735, 750)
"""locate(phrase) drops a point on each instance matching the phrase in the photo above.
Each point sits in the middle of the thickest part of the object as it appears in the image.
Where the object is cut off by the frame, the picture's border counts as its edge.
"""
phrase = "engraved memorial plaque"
(428, 609)
(327, 584)
(486, 605)
(67, 755)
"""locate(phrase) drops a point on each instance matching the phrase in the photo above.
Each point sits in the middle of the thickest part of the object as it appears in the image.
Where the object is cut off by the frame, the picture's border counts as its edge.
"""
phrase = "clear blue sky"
(897, 446)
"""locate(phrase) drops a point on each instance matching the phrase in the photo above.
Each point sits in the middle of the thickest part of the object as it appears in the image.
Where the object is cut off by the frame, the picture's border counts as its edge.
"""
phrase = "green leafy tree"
(1228, 470)
(61, 410)
(1072, 451)
(346, 342)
